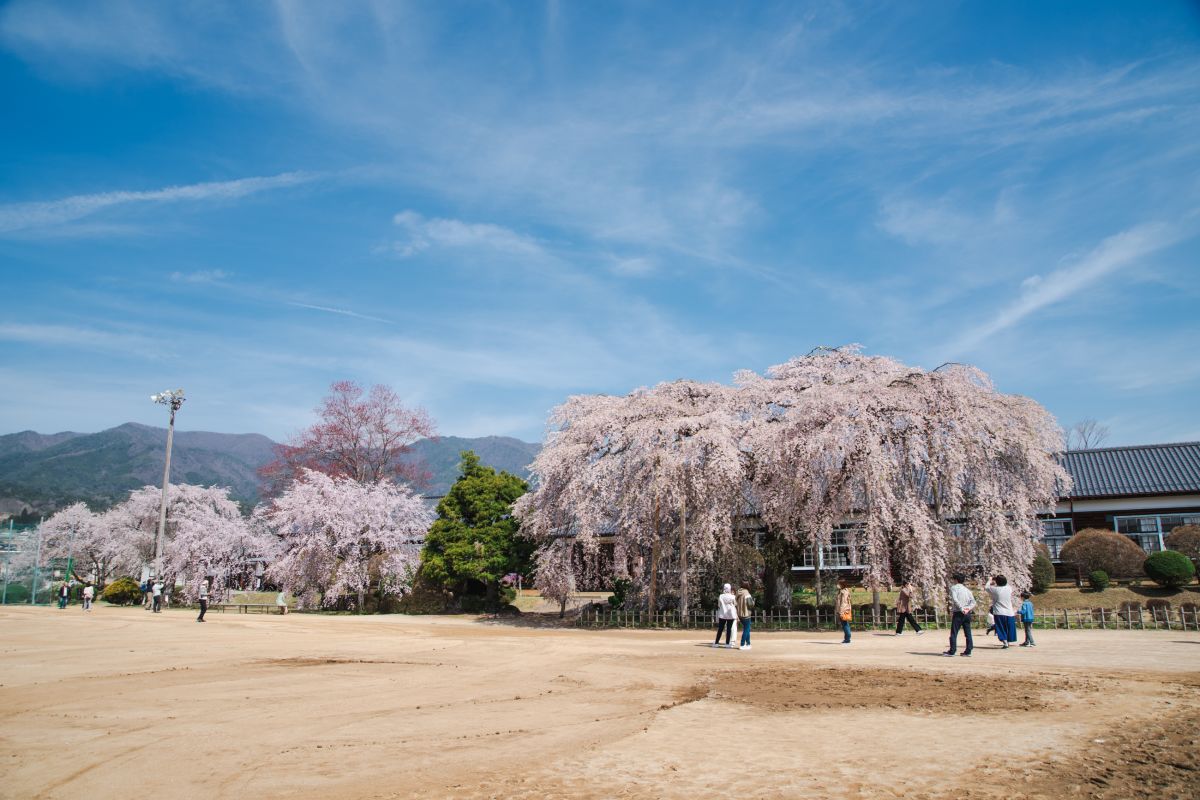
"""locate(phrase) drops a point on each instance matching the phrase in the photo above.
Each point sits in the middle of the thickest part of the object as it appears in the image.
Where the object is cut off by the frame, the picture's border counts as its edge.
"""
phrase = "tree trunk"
(361, 598)
(654, 564)
(875, 606)
(817, 573)
(683, 575)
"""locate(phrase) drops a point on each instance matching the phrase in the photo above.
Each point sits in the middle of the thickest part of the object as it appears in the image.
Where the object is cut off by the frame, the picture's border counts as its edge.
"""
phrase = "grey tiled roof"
(1143, 469)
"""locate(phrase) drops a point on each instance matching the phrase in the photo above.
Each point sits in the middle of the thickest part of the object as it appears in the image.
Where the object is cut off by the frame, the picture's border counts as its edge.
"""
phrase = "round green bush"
(1098, 580)
(1041, 572)
(122, 592)
(17, 593)
(1170, 568)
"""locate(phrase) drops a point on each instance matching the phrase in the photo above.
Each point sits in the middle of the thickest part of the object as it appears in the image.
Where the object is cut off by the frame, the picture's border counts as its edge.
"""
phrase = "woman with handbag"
(843, 610)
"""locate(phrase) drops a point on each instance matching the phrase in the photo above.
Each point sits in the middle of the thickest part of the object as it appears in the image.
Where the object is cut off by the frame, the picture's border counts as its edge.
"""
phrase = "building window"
(1148, 530)
(836, 554)
(1055, 533)
(962, 550)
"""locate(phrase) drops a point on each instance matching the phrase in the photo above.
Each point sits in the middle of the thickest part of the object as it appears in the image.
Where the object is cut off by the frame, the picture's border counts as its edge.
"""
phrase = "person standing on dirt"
(1002, 610)
(726, 614)
(1026, 613)
(89, 594)
(745, 606)
(962, 606)
(202, 597)
(156, 590)
(904, 609)
(64, 592)
(844, 610)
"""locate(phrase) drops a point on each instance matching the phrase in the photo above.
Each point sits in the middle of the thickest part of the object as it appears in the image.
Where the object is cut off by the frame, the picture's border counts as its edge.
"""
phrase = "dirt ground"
(120, 703)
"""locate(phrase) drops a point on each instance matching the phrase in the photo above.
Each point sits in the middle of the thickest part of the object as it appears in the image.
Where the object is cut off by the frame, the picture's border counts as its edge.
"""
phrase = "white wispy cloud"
(1115, 253)
(79, 338)
(201, 276)
(18, 217)
(422, 233)
(345, 312)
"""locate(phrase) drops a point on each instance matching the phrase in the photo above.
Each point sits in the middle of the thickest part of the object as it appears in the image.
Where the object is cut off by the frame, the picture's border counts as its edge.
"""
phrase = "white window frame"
(1070, 522)
(1158, 527)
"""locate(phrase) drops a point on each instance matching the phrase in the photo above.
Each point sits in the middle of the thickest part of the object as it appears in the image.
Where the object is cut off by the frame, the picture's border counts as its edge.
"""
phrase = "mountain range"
(43, 472)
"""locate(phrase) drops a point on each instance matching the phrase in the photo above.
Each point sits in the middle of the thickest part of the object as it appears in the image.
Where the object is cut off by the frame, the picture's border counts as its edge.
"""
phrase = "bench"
(246, 608)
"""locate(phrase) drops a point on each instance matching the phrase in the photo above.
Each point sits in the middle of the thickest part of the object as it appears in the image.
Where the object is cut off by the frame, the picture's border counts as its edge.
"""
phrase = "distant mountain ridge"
(44, 472)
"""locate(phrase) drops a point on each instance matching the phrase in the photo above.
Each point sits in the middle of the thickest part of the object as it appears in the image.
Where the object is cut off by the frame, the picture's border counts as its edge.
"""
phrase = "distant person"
(156, 591)
(904, 603)
(962, 606)
(1002, 610)
(726, 614)
(1026, 614)
(202, 597)
(844, 610)
(146, 587)
(745, 607)
(281, 601)
(64, 592)
(89, 594)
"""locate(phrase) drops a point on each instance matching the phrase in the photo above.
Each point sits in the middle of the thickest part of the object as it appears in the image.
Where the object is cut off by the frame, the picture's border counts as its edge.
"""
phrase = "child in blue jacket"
(1026, 614)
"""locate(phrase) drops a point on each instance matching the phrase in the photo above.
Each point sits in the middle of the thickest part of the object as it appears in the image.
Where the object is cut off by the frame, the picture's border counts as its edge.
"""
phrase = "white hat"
(727, 588)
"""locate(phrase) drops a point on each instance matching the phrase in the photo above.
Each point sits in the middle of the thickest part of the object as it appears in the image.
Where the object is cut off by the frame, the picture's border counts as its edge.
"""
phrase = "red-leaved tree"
(360, 436)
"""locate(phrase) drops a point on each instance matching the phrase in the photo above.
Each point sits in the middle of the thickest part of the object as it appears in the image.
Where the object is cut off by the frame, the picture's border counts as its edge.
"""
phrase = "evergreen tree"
(473, 543)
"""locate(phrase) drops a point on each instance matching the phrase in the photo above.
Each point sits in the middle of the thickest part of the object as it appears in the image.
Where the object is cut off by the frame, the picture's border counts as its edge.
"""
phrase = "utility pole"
(173, 399)
(37, 565)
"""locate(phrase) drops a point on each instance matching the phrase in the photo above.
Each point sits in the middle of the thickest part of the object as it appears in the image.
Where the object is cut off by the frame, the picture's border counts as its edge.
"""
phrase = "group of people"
(1002, 618)
(152, 594)
(88, 595)
(736, 610)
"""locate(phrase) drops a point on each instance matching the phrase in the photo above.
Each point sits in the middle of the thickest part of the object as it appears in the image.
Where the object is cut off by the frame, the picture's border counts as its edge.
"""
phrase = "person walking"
(1026, 613)
(146, 586)
(203, 598)
(745, 606)
(64, 592)
(1002, 610)
(904, 609)
(281, 602)
(156, 590)
(89, 594)
(843, 609)
(962, 606)
(726, 614)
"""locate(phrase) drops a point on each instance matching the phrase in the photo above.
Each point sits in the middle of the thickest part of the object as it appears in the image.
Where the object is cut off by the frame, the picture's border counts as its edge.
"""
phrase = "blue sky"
(491, 206)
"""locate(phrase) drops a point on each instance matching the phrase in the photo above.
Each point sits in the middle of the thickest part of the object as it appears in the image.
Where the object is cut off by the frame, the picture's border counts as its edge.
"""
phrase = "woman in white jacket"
(726, 614)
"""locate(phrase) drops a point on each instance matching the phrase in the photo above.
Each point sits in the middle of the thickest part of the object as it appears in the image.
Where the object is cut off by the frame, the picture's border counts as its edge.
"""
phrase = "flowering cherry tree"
(338, 535)
(555, 570)
(75, 532)
(934, 469)
(837, 435)
(659, 469)
(206, 535)
(361, 437)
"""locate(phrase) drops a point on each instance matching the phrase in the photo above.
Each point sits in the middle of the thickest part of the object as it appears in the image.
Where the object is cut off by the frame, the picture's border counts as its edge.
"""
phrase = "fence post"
(1067, 619)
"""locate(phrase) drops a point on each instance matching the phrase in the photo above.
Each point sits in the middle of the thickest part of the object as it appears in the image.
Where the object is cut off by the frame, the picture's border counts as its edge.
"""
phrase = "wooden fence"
(596, 616)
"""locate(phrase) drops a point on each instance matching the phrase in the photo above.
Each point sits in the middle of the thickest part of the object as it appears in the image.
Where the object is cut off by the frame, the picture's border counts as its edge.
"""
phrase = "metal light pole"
(174, 399)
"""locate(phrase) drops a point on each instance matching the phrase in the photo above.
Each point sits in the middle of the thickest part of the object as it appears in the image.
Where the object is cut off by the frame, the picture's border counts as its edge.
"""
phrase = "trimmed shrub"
(1185, 539)
(1094, 549)
(17, 593)
(122, 592)
(1170, 568)
(1130, 612)
(1157, 604)
(1098, 580)
(1041, 571)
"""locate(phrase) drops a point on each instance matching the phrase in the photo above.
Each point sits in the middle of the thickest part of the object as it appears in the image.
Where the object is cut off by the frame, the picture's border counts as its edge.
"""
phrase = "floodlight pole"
(174, 400)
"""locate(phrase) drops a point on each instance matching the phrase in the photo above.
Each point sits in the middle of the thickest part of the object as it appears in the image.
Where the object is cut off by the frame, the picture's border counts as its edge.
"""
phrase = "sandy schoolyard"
(120, 704)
